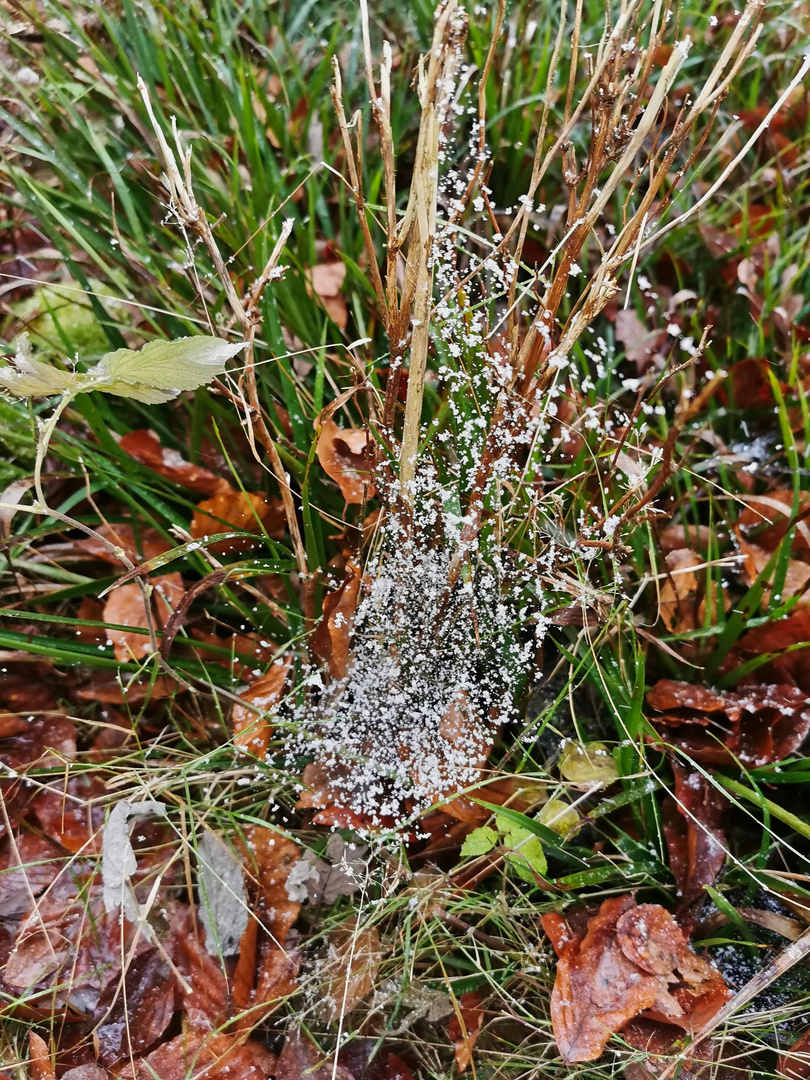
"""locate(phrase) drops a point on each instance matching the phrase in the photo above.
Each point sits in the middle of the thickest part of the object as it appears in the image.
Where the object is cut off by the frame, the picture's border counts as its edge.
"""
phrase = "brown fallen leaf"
(40, 1066)
(693, 830)
(145, 446)
(678, 602)
(795, 1062)
(204, 997)
(133, 1020)
(300, 1059)
(632, 959)
(330, 642)
(125, 606)
(203, 1055)
(354, 954)
(325, 281)
(694, 537)
(760, 529)
(266, 969)
(757, 724)
(243, 511)
(347, 456)
(465, 1027)
(251, 730)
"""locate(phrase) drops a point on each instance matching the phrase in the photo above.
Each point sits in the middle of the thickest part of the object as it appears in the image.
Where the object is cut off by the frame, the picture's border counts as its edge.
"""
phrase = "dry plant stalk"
(628, 140)
(246, 314)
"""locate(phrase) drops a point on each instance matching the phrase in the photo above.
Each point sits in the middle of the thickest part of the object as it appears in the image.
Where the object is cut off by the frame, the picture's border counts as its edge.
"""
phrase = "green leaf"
(479, 842)
(157, 372)
(162, 369)
(33, 378)
(527, 857)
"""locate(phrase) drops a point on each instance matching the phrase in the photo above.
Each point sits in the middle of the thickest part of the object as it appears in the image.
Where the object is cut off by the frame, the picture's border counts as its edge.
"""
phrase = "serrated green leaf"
(158, 372)
(527, 857)
(32, 378)
(479, 842)
(162, 369)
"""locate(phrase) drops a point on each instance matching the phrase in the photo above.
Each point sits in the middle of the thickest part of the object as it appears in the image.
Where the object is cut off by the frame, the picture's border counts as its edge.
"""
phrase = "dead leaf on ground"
(252, 730)
(347, 456)
(135, 1018)
(641, 346)
(325, 280)
(465, 1027)
(40, 1066)
(300, 1059)
(354, 954)
(330, 642)
(760, 529)
(205, 1056)
(693, 829)
(795, 1062)
(267, 970)
(632, 959)
(125, 607)
(322, 882)
(242, 511)
(223, 901)
(679, 607)
(758, 724)
(145, 446)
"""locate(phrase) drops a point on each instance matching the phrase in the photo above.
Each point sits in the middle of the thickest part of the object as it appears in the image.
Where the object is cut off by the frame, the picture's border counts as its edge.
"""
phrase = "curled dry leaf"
(251, 729)
(465, 1027)
(678, 601)
(757, 725)
(330, 642)
(632, 959)
(349, 969)
(347, 456)
(693, 829)
(145, 446)
(244, 511)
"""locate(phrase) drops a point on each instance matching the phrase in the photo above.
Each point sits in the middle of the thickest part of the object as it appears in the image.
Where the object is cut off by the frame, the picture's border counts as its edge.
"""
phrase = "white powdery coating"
(431, 679)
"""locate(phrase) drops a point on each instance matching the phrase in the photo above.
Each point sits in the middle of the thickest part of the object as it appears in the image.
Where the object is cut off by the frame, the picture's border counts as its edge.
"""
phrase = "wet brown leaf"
(347, 457)
(300, 1059)
(795, 1063)
(353, 958)
(145, 446)
(134, 1021)
(326, 280)
(330, 642)
(757, 724)
(205, 1056)
(464, 1030)
(695, 839)
(251, 730)
(40, 1066)
(678, 600)
(125, 606)
(267, 970)
(244, 511)
(632, 959)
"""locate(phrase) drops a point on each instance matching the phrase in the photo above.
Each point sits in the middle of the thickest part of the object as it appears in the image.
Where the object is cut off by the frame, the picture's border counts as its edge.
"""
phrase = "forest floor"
(405, 674)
